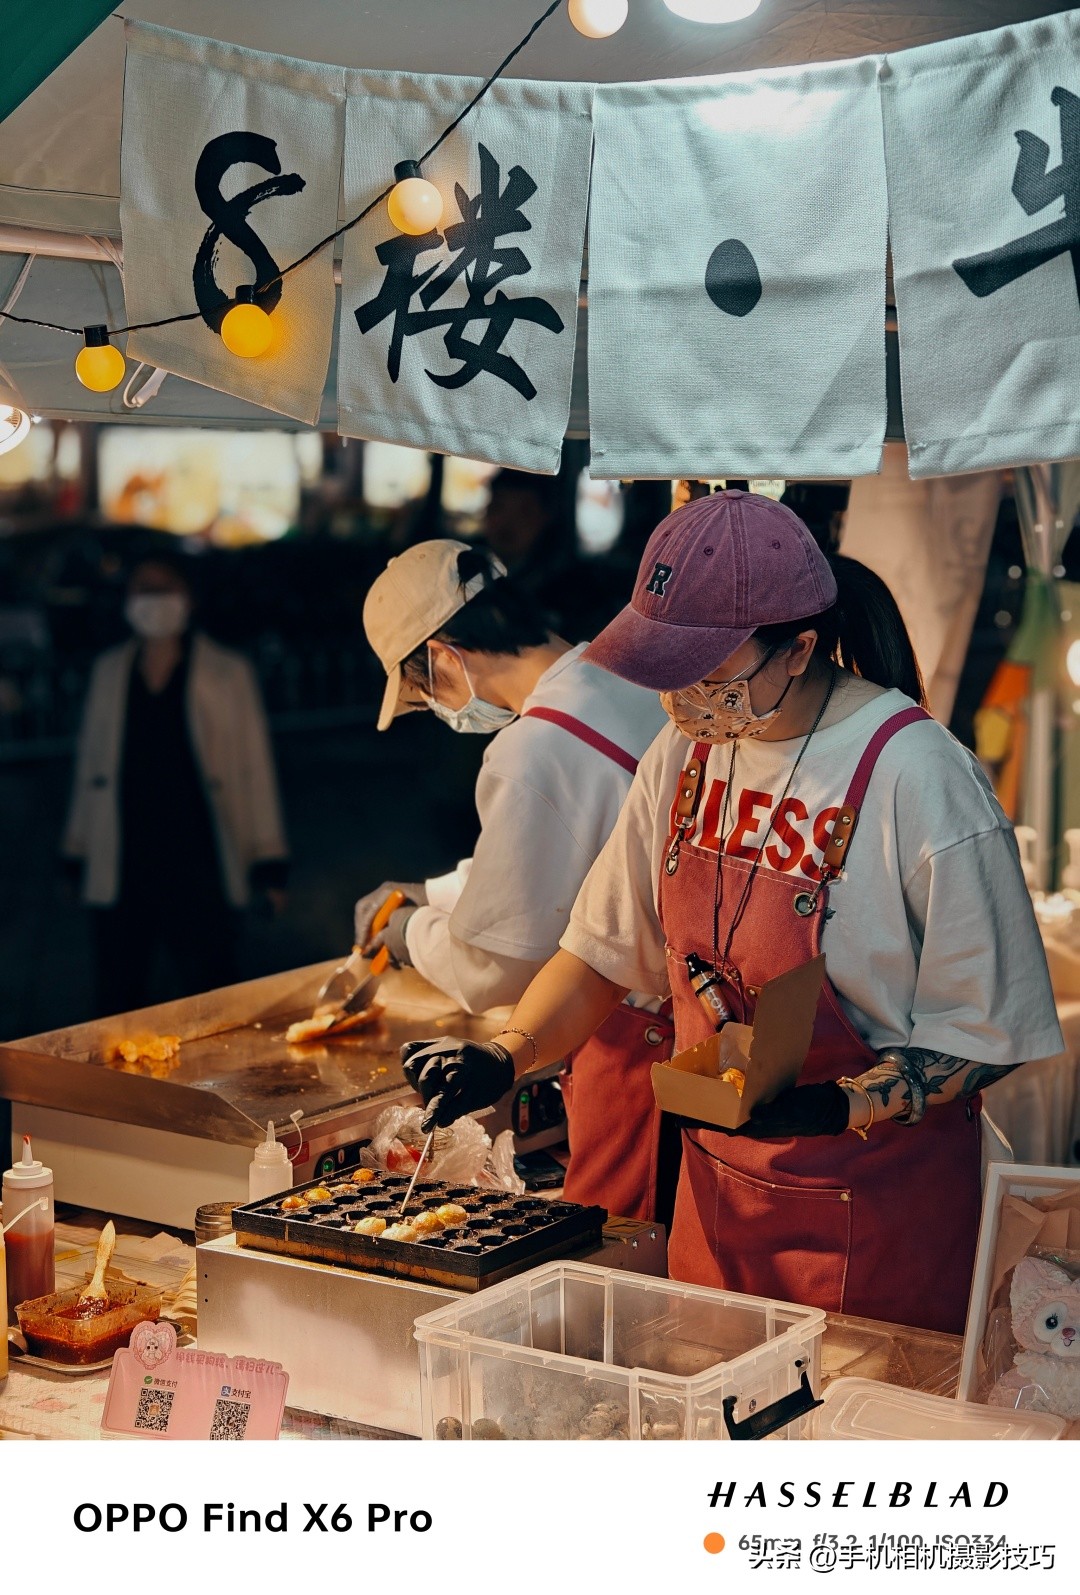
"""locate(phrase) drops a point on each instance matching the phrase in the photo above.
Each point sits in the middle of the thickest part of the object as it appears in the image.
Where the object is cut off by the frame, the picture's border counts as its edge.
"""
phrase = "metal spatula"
(353, 984)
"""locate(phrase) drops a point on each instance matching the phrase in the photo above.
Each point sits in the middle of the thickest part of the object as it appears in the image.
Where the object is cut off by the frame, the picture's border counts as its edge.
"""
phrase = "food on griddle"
(736, 1078)
(401, 1231)
(332, 1024)
(292, 1203)
(362, 1176)
(145, 1054)
(370, 1226)
(451, 1215)
(428, 1224)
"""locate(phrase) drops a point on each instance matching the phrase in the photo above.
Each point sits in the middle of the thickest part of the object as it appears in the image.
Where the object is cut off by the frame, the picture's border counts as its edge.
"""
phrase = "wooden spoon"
(96, 1291)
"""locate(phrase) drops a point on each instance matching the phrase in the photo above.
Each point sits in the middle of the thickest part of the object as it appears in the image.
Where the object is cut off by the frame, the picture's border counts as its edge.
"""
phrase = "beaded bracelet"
(512, 1030)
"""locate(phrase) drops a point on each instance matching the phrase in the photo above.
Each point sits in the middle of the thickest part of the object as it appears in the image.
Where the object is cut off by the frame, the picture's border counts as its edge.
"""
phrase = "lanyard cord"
(718, 892)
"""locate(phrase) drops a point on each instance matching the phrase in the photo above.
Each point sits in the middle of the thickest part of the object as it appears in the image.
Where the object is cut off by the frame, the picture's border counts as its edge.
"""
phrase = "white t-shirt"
(933, 941)
(547, 803)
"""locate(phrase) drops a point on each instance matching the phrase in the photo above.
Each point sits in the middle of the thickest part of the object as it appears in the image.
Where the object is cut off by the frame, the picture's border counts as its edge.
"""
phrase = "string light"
(415, 206)
(713, 11)
(98, 365)
(14, 425)
(598, 19)
(247, 330)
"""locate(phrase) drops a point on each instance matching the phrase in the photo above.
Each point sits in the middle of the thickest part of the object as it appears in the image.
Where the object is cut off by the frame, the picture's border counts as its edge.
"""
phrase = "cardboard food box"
(690, 1084)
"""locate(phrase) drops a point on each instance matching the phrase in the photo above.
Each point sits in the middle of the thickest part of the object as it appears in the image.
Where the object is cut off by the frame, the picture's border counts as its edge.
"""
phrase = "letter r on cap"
(660, 578)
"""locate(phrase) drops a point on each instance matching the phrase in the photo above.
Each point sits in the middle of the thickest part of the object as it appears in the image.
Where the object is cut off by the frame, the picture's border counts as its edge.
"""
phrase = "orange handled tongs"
(353, 984)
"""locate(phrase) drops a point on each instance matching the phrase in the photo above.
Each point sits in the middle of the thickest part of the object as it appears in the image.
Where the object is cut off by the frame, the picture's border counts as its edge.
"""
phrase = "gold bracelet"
(857, 1085)
(512, 1030)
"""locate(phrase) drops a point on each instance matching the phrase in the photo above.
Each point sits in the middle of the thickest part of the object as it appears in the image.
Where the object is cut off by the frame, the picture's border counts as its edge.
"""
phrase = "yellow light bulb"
(414, 205)
(99, 366)
(247, 330)
(597, 19)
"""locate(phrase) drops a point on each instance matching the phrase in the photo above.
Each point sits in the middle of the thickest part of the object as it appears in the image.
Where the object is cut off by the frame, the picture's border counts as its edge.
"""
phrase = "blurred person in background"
(174, 822)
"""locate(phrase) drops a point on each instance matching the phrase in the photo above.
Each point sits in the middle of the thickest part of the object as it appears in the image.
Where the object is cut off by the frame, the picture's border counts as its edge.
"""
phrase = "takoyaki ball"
(451, 1215)
(428, 1224)
(370, 1226)
(448, 1429)
(292, 1203)
(318, 1193)
(400, 1232)
(362, 1176)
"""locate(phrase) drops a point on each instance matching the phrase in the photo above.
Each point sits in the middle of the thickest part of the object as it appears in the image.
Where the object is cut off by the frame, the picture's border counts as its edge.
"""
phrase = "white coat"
(232, 751)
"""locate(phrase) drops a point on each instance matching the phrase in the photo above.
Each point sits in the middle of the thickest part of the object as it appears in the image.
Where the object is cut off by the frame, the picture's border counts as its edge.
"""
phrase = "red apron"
(612, 1118)
(883, 1228)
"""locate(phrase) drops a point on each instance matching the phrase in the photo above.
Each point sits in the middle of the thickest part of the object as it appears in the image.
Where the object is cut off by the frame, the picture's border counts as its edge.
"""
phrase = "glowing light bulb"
(246, 330)
(414, 205)
(14, 425)
(1072, 663)
(99, 366)
(597, 19)
(713, 11)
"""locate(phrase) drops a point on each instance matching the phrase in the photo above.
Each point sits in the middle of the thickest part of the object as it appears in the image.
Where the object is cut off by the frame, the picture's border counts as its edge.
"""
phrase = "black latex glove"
(392, 937)
(801, 1110)
(368, 906)
(456, 1077)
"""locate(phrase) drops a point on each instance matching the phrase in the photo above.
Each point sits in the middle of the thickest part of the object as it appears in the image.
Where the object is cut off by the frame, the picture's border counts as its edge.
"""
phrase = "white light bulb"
(597, 19)
(713, 10)
(14, 425)
(1072, 663)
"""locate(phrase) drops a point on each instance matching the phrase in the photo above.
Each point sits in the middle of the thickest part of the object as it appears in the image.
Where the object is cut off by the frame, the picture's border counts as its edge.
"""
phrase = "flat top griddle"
(503, 1233)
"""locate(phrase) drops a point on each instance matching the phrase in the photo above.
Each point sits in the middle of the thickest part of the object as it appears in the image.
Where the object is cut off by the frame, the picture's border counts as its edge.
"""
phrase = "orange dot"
(714, 1544)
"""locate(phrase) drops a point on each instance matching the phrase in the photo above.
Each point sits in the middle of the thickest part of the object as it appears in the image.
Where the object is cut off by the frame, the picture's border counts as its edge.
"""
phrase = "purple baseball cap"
(712, 573)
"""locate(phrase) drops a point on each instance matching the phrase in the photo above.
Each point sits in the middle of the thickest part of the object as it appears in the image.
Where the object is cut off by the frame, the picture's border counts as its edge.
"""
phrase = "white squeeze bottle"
(269, 1170)
(31, 1267)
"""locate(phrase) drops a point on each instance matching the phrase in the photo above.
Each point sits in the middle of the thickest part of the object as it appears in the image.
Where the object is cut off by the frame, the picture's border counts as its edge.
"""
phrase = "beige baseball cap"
(416, 594)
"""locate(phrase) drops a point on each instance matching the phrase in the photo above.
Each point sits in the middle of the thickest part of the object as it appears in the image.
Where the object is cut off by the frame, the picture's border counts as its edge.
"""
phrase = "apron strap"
(847, 817)
(584, 733)
(687, 801)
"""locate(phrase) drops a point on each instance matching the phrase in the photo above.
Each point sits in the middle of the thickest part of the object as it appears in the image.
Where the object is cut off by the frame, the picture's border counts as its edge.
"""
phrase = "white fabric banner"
(462, 340)
(737, 243)
(230, 168)
(929, 542)
(983, 156)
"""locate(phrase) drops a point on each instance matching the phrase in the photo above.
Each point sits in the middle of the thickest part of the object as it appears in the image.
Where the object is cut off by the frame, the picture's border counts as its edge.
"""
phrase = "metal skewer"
(425, 1153)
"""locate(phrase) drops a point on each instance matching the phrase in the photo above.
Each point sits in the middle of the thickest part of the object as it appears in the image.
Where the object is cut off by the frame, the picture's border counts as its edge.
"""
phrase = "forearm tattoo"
(919, 1075)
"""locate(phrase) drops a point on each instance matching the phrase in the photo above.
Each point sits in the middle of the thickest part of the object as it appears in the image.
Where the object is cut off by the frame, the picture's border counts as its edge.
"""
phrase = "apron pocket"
(737, 1230)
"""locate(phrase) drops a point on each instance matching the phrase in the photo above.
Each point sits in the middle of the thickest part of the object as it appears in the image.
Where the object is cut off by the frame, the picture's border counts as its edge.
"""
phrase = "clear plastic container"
(894, 1354)
(48, 1333)
(572, 1351)
(862, 1409)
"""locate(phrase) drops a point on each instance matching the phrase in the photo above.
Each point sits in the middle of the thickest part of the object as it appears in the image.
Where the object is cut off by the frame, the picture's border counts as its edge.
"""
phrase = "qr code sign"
(230, 1420)
(154, 1409)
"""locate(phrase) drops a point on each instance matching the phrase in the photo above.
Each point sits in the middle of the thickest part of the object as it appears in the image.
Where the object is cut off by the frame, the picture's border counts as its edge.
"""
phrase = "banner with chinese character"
(230, 166)
(983, 157)
(462, 339)
(737, 242)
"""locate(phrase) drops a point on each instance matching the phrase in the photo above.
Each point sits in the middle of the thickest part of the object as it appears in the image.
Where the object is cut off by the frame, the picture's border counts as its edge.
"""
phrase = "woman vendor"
(794, 701)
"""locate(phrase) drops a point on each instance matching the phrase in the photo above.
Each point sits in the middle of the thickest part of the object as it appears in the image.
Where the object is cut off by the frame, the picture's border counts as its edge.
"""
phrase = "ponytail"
(863, 631)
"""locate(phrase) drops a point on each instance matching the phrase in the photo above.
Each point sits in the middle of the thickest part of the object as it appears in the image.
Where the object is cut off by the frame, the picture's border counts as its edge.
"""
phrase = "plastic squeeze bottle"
(31, 1267)
(269, 1170)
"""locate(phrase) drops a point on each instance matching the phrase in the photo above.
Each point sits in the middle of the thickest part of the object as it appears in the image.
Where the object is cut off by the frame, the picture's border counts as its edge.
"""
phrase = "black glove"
(392, 937)
(801, 1110)
(368, 906)
(456, 1077)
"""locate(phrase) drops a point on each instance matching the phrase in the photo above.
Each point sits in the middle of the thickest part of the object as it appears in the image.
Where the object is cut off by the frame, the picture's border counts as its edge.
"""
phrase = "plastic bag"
(461, 1155)
(1031, 1344)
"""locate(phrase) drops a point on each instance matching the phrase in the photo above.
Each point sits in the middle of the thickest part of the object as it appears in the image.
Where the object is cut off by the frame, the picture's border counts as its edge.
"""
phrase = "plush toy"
(1045, 1375)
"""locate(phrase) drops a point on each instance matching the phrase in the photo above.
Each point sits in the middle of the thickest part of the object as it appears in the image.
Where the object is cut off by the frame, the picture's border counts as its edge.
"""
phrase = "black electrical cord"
(196, 315)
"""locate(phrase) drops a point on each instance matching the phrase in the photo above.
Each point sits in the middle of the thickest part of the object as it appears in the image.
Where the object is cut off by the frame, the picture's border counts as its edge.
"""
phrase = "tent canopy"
(60, 149)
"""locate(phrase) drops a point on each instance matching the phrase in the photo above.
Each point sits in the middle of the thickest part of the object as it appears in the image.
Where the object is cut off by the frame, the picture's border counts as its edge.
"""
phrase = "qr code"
(230, 1420)
(154, 1409)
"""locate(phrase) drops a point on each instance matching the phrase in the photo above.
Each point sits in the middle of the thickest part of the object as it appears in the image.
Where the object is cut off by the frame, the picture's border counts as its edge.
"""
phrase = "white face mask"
(476, 715)
(155, 616)
(720, 711)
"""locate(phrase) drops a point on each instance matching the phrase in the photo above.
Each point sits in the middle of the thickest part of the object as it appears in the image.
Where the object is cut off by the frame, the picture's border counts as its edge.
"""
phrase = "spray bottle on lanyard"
(31, 1267)
(705, 984)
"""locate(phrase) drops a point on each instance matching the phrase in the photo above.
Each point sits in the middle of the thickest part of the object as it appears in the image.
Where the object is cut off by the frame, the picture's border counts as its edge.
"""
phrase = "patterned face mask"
(720, 711)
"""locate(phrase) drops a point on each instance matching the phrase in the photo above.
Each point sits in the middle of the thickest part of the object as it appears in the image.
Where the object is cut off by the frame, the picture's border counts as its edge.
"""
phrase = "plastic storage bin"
(862, 1409)
(572, 1351)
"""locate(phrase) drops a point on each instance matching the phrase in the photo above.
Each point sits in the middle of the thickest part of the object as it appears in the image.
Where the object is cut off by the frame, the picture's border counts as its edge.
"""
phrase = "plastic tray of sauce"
(57, 1328)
